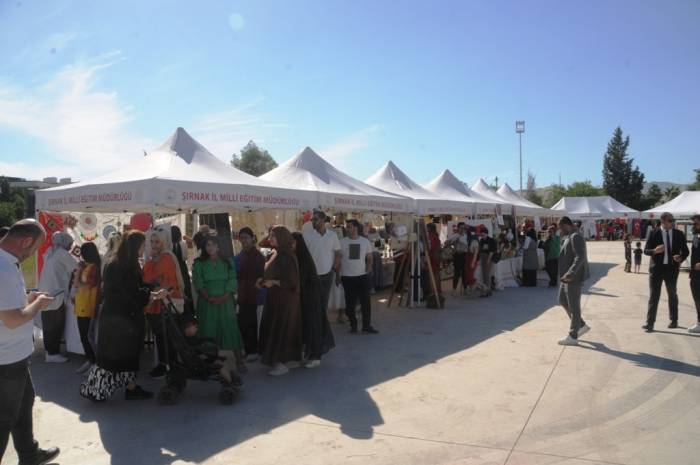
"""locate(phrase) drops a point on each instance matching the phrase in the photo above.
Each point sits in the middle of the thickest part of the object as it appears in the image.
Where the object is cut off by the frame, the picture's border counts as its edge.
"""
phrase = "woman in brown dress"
(280, 328)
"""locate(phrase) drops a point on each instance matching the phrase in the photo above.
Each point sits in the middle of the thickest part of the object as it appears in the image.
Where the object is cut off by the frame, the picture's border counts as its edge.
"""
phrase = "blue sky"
(85, 86)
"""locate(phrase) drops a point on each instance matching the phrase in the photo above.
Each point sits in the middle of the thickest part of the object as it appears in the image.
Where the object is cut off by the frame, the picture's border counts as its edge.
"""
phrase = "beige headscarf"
(163, 233)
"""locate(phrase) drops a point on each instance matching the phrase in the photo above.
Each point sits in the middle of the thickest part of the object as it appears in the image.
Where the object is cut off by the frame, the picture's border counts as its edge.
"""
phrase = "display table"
(506, 270)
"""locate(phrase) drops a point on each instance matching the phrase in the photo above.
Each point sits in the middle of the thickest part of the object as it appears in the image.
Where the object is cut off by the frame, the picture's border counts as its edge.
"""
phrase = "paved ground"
(481, 382)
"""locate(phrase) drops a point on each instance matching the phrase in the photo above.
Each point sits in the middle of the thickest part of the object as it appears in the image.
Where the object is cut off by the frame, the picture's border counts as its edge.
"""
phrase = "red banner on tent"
(51, 223)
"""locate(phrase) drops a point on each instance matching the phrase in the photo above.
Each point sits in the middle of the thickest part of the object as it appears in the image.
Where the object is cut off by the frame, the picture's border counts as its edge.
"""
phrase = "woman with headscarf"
(162, 270)
(316, 331)
(250, 266)
(530, 261)
(121, 324)
(215, 280)
(280, 328)
(55, 279)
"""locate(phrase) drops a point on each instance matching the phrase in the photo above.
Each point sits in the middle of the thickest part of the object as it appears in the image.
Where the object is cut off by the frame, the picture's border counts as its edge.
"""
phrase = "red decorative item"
(51, 223)
(141, 221)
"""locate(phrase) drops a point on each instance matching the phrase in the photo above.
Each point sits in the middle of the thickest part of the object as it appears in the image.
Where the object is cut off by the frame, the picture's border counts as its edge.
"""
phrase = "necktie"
(668, 248)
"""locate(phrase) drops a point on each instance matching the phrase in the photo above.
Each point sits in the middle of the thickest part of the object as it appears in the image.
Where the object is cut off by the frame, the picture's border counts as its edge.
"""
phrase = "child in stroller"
(195, 359)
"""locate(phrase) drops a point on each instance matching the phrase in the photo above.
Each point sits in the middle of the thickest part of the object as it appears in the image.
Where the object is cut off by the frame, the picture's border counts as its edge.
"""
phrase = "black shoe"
(43, 457)
(648, 328)
(673, 325)
(137, 393)
(370, 330)
(158, 372)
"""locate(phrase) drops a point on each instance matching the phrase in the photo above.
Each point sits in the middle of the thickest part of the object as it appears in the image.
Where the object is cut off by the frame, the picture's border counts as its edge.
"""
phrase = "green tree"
(531, 189)
(556, 193)
(253, 160)
(494, 185)
(621, 180)
(583, 189)
(653, 197)
(696, 185)
(7, 213)
(672, 192)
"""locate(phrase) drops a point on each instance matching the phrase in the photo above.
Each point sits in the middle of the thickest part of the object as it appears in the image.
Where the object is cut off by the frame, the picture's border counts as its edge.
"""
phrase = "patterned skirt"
(101, 384)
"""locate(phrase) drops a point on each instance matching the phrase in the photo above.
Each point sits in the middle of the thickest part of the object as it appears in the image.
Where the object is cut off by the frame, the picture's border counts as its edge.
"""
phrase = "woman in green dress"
(215, 280)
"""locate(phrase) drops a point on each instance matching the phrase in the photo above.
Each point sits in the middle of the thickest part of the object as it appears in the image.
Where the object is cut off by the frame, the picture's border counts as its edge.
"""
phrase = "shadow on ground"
(337, 393)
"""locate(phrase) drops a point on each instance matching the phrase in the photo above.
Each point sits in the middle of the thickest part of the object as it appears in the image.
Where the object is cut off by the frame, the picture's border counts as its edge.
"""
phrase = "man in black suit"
(667, 248)
(695, 271)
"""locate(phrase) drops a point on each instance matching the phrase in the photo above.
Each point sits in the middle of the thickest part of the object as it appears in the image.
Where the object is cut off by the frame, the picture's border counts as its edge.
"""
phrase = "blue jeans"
(16, 403)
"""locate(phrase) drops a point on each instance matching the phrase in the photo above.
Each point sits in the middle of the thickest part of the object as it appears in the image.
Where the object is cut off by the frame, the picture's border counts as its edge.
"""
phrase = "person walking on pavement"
(573, 271)
(695, 271)
(668, 249)
(17, 312)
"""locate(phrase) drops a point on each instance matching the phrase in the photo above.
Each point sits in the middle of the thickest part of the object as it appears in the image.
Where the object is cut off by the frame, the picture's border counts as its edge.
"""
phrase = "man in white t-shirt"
(355, 265)
(17, 312)
(324, 246)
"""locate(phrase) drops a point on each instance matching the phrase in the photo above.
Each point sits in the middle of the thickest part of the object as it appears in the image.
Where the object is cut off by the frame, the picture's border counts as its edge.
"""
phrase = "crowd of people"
(118, 296)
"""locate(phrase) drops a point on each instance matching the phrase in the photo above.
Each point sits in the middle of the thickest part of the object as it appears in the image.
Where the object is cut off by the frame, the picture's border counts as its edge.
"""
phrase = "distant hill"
(664, 185)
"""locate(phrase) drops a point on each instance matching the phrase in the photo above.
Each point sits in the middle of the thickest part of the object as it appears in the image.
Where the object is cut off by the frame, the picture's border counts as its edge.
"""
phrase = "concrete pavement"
(480, 382)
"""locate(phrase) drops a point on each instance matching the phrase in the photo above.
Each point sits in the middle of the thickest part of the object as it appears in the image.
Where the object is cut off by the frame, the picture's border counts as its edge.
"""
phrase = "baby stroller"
(201, 363)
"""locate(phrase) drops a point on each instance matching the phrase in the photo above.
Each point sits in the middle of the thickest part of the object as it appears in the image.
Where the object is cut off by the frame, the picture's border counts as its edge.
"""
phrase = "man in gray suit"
(573, 271)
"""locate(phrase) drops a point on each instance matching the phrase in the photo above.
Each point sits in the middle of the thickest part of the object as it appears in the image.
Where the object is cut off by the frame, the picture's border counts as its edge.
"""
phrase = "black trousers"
(459, 260)
(53, 324)
(661, 274)
(16, 403)
(552, 267)
(155, 320)
(84, 329)
(357, 289)
(530, 278)
(248, 324)
(695, 290)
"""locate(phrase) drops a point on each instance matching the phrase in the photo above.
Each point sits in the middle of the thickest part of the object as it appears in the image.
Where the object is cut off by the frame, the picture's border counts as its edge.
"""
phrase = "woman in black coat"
(316, 331)
(121, 324)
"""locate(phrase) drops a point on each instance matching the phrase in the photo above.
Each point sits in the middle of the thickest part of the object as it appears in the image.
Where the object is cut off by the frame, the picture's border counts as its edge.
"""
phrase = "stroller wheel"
(167, 395)
(228, 395)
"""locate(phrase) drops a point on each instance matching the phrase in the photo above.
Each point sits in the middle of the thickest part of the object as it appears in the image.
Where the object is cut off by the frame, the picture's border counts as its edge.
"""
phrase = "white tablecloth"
(506, 270)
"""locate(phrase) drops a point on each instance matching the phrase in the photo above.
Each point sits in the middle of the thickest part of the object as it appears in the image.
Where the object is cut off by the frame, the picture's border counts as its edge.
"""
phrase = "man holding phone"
(668, 249)
(17, 312)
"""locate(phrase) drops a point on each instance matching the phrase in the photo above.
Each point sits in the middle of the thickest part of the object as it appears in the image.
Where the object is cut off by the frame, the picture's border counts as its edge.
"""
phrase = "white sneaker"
(279, 370)
(583, 330)
(58, 358)
(84, 367)
(568, 341)
(695, 329)
(312, 363)
(293, 364)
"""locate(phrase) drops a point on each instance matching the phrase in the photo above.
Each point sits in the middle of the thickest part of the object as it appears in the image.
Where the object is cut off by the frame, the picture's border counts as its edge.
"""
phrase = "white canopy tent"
(483, 189)
(309, 172)
(179, 176)
(685, 205)
(524, 206)
(594, 208)
(446, 185)
(391, 179)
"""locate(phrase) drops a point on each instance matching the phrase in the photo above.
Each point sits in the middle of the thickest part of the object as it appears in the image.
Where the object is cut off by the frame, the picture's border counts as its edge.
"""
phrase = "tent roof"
(483, 189)
(391, 179)
(601, 207)
(308, 171)
(523, 206)
(179, 175)
(447, 185)
(685, 204)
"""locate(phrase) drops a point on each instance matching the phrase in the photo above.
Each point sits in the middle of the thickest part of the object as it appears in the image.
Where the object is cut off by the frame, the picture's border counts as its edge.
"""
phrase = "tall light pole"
(520, 129)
